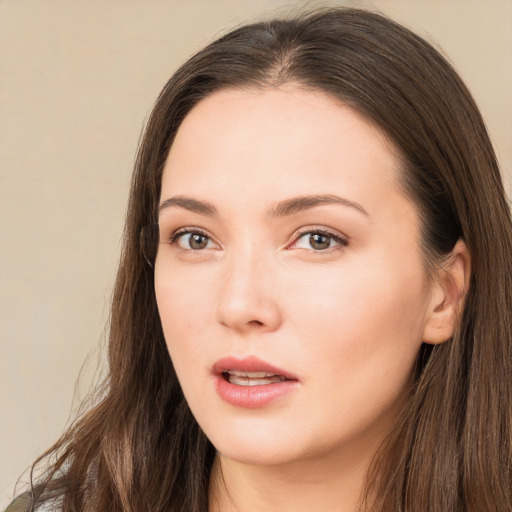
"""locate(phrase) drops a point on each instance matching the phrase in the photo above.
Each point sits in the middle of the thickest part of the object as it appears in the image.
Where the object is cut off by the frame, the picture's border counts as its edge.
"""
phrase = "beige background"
(77, 79)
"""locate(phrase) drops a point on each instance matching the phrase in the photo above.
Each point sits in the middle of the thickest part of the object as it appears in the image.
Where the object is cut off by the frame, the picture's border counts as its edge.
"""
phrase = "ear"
(448, 295)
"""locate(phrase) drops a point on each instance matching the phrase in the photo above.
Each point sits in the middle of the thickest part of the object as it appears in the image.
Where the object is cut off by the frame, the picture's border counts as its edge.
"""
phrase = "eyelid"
(180, 232)
(341, 239)
(186, 230)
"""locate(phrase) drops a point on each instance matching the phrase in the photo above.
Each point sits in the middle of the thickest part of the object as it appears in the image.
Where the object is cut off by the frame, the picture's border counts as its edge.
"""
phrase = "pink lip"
(249, 364)
(251, 397)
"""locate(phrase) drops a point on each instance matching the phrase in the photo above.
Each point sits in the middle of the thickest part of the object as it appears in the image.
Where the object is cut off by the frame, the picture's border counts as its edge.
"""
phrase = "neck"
(327, 484)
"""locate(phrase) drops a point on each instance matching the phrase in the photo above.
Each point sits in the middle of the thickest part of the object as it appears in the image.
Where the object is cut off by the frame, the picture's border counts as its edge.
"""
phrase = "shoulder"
(23, 504)
(20, 504)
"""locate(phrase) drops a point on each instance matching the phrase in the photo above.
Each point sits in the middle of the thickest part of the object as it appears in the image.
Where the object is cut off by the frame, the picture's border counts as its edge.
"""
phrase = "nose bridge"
(247, 296)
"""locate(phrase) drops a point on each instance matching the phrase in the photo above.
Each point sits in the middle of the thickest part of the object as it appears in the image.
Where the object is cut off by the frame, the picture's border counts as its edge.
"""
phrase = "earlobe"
(448, 295)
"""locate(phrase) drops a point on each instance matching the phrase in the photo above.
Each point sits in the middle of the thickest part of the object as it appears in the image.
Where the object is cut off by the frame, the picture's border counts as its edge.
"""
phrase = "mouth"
(251, 383)
(241, 378)
(250, 371)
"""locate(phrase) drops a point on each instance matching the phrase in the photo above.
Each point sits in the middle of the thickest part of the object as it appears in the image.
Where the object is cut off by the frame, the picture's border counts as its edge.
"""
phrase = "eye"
(319, 240)
(192, 240)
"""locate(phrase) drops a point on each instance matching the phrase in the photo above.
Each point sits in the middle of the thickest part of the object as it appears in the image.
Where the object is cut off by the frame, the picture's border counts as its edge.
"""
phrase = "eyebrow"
(297, 204)
(187, 203)
(282, 209)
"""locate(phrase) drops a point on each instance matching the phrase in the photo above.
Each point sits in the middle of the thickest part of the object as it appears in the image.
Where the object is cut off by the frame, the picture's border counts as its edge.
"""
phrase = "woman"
(319, 240)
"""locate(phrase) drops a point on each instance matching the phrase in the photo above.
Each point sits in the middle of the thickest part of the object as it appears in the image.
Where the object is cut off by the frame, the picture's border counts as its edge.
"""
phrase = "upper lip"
(249, 364)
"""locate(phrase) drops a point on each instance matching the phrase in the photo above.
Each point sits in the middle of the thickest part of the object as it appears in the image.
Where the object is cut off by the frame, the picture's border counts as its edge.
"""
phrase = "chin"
(252, 454)
(264, 444)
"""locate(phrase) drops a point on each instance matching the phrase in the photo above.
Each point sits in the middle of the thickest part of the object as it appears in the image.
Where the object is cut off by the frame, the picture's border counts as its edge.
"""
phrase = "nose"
(248, 297)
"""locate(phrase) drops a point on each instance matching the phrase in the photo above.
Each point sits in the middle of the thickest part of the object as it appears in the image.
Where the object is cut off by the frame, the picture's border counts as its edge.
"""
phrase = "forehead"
(284, 140)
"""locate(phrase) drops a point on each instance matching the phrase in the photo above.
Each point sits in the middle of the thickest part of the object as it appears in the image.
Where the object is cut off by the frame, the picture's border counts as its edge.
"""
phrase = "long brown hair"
(139, 448)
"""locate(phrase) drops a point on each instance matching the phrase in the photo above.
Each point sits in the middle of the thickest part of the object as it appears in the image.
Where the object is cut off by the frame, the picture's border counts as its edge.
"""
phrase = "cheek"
(182, 305)
(183, 322)
(360, 342)
(365, 323)
(365, 298)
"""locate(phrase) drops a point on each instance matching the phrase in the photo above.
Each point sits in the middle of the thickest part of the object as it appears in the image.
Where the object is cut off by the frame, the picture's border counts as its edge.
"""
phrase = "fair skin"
(331, 291)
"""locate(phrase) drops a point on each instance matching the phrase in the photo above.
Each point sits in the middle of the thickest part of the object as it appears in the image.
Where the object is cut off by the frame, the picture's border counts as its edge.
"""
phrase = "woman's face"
(289, 277)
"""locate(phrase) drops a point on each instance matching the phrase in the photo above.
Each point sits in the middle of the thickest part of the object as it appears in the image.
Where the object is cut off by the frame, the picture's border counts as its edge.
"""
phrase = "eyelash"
(340, 240)
(175, 237)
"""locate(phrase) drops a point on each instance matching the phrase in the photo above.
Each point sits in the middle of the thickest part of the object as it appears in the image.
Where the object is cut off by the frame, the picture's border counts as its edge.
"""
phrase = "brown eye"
(192, 241)
(319, 241)
(198, 241)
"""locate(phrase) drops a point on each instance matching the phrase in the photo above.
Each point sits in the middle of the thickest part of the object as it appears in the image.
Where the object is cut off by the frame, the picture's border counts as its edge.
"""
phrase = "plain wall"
(77, 80)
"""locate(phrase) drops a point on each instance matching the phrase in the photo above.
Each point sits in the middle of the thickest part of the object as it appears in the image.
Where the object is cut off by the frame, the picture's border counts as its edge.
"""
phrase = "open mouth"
(241, 378)
(251, 383)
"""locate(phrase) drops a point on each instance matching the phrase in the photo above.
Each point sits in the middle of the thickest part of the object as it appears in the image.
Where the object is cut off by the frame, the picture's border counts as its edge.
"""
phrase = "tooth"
(246, 381)
(250, 375)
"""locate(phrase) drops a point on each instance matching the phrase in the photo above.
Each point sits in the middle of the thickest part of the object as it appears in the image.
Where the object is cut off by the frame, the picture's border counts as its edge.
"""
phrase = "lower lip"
(253, 397)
